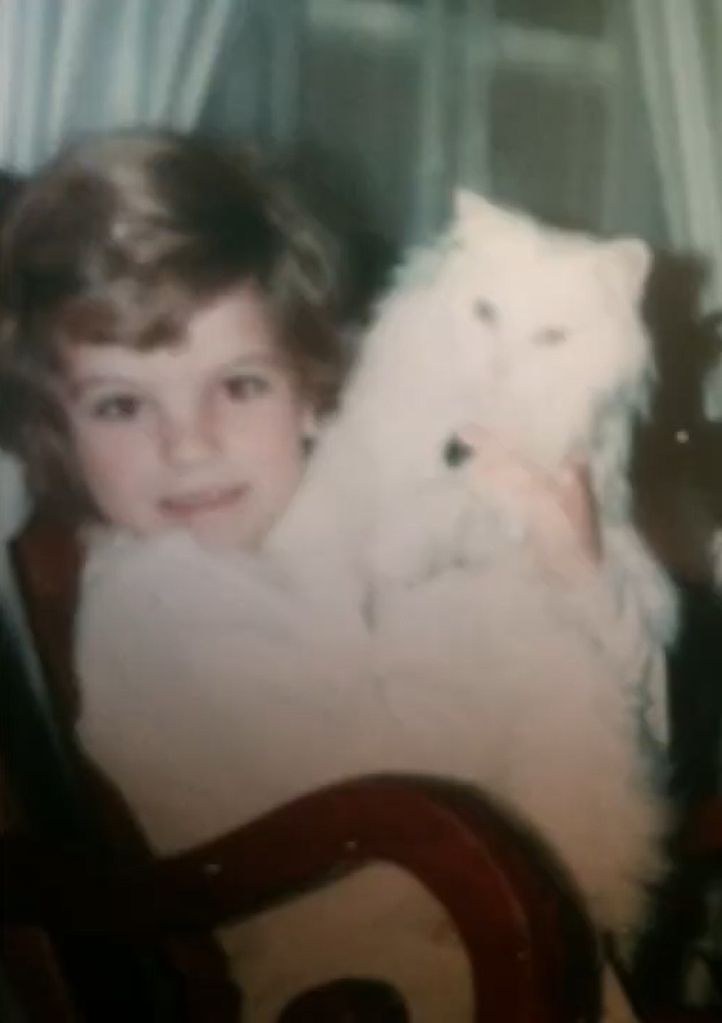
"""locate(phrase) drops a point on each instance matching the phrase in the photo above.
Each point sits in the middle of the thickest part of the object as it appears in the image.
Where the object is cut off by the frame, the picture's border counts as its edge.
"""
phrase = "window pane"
(360, 113)
(547, 146)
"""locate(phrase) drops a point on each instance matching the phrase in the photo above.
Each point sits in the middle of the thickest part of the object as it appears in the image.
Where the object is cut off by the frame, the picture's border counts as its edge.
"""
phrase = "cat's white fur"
(536, 335)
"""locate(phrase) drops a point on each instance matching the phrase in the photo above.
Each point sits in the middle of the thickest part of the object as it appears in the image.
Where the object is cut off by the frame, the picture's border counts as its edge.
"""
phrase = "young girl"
(167, 354)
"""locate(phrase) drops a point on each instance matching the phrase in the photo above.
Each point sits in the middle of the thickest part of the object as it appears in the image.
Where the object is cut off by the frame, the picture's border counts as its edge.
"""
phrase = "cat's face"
(546, 322)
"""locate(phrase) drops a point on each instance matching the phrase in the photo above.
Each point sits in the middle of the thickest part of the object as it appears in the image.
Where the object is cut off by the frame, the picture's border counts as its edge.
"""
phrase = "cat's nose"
(456, 452)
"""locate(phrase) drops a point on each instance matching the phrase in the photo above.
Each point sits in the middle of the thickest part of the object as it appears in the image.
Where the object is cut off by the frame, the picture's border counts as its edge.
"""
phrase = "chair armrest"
(532, 953)
(46, 559)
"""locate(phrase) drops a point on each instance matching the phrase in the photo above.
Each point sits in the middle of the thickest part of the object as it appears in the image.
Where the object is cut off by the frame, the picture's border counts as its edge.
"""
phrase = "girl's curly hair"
(118, 241)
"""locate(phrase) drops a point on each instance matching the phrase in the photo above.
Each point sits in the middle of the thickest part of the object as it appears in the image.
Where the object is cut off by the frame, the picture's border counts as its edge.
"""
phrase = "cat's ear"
(469, 207)
(630, 259)
(466, 204)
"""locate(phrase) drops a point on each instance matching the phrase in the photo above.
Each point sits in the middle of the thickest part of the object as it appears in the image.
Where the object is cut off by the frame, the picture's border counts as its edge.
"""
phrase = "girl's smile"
(186, 507)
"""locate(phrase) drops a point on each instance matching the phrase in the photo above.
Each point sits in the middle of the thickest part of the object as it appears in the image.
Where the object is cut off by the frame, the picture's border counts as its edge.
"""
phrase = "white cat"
(530, 332)
(533, 688)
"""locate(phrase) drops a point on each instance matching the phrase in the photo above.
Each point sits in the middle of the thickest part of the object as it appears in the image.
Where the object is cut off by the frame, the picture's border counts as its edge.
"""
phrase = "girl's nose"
(188, 435)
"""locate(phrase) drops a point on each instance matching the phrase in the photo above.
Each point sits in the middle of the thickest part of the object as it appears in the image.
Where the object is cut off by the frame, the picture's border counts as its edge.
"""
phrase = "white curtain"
(680, 48)
(69, 66)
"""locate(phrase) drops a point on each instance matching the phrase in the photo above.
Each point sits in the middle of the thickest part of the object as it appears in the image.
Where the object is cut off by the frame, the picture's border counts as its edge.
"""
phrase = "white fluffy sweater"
(210, 694)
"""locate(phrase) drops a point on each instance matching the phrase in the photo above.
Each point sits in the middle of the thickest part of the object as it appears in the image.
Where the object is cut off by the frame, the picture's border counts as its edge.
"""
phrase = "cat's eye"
(551, 336)
(485, 311)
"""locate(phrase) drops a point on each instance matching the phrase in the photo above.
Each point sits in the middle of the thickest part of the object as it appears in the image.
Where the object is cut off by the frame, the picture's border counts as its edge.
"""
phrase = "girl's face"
(205, 436)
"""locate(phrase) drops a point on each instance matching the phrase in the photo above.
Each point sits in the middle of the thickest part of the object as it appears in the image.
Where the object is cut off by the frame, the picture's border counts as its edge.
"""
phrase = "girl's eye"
(485, 311)
(552, 336)
(244, 386)
(117, 407)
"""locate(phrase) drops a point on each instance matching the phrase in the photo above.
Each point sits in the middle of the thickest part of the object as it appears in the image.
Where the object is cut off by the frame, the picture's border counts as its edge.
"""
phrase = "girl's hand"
(575, 498)
(494, 464)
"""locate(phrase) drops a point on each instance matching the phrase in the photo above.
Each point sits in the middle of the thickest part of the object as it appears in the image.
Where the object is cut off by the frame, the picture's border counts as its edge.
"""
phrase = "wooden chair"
(532, 953)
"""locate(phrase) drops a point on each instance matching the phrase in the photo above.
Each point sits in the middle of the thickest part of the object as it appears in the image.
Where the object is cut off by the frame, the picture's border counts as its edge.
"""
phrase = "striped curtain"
(69, 66)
